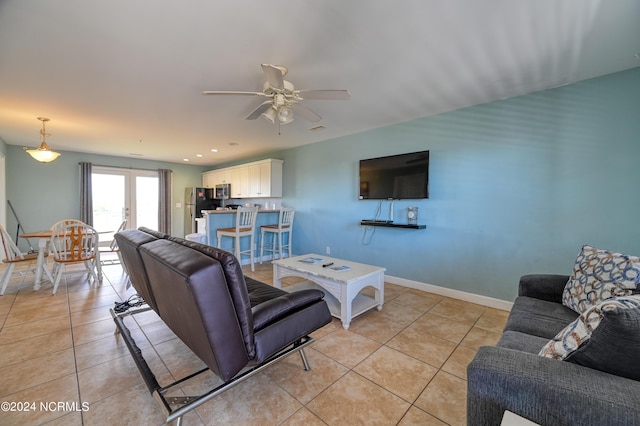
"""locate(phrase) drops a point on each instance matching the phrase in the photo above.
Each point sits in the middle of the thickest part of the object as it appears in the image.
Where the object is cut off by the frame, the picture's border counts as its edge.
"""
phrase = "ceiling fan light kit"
(270, 115)
(285, 115)
(284, 99)
(43, 153)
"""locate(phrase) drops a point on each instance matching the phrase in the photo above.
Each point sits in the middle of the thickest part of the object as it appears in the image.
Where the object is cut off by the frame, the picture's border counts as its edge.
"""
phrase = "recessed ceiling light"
(199, 155)
(185, 159)
(214, 150)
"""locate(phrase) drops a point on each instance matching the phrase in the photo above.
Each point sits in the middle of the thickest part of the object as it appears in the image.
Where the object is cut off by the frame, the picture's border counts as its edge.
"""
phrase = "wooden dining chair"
(67, 222)
(12, 257)
(245, 227)
(58, 223)
(75, 242)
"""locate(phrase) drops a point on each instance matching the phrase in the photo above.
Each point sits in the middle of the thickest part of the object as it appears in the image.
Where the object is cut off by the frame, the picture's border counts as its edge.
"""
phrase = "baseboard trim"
(489, 302)
(448, 292)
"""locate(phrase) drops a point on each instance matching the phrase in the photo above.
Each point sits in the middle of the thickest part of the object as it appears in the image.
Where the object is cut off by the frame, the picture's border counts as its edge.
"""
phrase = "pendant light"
(43, 154)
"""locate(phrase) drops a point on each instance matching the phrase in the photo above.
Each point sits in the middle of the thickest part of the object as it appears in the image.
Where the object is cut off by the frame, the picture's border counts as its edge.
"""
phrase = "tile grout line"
(472, 326)
(73, 346)
(352, 369)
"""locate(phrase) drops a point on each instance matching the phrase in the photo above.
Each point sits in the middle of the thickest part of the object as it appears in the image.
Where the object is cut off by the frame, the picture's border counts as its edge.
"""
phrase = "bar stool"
(245, 227)
(285, 225)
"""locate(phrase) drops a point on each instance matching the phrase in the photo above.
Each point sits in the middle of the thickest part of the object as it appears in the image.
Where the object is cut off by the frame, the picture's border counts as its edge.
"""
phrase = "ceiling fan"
(283, 100)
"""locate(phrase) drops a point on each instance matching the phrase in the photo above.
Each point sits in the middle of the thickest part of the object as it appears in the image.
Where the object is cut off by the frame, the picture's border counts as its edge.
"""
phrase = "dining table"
(43, 238)
(43, 247)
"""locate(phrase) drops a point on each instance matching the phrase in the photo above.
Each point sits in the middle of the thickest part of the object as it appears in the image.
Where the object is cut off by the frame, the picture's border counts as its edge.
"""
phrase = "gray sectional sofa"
(512, 376)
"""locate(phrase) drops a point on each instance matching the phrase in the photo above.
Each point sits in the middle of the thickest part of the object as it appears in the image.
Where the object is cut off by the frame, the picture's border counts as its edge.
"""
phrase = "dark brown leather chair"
(236, 325)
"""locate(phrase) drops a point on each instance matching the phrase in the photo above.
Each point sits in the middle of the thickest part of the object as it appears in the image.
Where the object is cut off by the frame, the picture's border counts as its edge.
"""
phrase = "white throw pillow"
(599, 275)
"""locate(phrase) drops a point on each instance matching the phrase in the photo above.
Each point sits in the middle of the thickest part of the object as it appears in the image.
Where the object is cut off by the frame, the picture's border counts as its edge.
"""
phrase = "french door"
(124, 194)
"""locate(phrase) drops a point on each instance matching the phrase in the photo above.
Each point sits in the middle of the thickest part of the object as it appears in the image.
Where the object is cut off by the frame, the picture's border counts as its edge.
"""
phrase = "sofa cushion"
(195, 302)
(538, 317)
(273, 310)
(235, 282)
(598, 275)
(159, 235)
(260, 292)
(547, 287)
(606, 337)
(521, 342)
(129, 241)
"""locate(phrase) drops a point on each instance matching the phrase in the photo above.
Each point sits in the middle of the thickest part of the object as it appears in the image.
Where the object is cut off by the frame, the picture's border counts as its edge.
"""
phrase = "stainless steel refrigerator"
(196, 200)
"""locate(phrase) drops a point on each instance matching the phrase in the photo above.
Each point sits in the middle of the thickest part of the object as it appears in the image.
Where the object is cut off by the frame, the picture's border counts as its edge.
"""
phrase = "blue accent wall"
(516, 187)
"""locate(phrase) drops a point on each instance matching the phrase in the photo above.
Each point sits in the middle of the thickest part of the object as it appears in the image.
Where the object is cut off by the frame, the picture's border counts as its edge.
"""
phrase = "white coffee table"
(341, 289)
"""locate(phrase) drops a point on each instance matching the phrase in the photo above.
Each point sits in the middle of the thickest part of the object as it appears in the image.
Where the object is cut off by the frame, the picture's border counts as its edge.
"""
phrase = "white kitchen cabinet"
(214, 177)
(224, 175)
(255, 179)
(208, 179)
(259, 179)
(240, 182)
(265, 179)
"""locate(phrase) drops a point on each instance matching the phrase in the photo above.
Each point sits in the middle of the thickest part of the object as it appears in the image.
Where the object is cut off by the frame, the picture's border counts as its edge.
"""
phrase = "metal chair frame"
(113, 249)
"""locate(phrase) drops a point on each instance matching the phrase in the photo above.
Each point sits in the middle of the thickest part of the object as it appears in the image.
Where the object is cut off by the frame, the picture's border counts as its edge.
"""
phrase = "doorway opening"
(123, 194)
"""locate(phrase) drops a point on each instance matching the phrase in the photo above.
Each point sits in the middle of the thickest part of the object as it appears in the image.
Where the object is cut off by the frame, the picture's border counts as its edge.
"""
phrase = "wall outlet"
(327, 250)
(178, 205)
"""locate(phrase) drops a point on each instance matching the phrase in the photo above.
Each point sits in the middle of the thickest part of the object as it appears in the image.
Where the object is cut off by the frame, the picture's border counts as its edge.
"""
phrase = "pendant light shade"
(43, 154)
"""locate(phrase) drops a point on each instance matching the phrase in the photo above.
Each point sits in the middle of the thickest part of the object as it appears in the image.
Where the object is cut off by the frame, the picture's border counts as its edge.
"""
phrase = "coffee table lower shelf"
(360, 304)
(341, 288)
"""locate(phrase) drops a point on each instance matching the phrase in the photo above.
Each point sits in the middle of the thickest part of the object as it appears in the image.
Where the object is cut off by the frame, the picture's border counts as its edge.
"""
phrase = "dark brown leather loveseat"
(234, 324)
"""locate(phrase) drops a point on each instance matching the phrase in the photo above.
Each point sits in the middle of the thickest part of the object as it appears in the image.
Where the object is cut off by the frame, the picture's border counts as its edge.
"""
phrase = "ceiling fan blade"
(306, 113)
(273, 75)
(258, 111)
(223, 92)
(325, 94)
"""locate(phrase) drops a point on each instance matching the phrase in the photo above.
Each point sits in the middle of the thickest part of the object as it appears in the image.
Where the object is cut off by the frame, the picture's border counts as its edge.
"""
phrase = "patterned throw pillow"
(606, 337)
(598, 275)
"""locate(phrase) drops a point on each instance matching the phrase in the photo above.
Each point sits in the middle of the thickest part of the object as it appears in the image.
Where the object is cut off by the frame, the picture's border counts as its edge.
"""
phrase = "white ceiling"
(124, 77)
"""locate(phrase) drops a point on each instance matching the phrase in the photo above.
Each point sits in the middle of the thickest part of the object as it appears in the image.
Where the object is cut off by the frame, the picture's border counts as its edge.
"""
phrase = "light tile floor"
(405, 364)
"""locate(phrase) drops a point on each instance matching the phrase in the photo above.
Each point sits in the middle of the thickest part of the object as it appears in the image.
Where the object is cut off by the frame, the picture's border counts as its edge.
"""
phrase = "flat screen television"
(396, 177)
